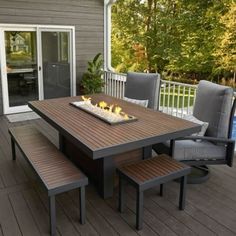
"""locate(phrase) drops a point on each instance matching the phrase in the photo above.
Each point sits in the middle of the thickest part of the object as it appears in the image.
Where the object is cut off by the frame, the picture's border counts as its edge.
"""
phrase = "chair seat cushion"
(191, 150)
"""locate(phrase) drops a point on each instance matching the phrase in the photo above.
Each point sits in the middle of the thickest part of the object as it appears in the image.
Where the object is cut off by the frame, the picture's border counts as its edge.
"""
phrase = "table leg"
(62, 143)
(106, 181)
(172, 147)
(100, 171)
(121, 194)
(147, 152)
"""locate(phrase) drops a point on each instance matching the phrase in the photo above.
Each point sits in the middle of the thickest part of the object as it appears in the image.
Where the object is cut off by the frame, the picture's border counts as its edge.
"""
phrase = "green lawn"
(173, 98)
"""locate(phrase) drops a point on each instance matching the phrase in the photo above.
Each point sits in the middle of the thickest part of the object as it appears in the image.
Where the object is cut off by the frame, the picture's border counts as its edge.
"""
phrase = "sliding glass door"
(36, 63)
(56, 63)
(19, 69)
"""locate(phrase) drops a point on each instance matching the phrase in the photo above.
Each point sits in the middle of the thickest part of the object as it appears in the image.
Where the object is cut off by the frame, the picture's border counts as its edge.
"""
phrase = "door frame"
(40, 57)
(38, 29)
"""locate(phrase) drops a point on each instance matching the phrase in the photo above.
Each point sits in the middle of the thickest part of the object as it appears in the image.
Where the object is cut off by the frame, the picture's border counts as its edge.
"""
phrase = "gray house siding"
(86, 15)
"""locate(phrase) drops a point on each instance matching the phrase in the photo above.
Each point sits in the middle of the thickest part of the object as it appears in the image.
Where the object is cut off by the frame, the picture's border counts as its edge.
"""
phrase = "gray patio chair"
(214, 104)
(143, 86)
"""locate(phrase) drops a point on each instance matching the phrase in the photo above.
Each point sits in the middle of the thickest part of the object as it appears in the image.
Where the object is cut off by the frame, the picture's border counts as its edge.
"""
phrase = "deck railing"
(175, 98)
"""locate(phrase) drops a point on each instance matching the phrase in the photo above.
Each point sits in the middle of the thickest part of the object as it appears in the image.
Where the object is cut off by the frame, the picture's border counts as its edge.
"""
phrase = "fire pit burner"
(110, 114)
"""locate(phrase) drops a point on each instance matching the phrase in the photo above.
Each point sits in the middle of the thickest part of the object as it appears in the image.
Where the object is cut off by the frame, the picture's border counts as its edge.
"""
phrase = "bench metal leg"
(121, 194)
(13, 149)
(161, 190)
(183, 182)
(52, 210)
(82, 205)
(139, 210)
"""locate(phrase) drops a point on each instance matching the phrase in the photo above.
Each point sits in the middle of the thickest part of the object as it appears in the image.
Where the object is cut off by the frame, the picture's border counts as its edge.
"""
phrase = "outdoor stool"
(149, 173)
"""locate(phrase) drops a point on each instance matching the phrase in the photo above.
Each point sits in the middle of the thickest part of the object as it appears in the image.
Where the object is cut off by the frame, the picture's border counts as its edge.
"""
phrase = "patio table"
(97, 147)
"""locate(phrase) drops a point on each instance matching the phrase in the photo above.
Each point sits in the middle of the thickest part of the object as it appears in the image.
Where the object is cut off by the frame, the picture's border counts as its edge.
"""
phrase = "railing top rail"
(179, 83)
(115, 73)
(121, 76)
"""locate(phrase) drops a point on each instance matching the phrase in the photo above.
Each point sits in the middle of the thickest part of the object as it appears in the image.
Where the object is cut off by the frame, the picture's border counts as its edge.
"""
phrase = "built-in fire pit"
(111, 114)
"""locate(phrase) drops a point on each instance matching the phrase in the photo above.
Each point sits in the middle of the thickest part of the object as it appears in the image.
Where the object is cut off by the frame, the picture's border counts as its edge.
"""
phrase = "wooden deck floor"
(210, 209)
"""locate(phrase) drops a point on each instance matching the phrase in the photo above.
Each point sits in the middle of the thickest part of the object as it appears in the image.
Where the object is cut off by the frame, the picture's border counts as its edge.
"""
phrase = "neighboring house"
(17, 43)
(85, 16)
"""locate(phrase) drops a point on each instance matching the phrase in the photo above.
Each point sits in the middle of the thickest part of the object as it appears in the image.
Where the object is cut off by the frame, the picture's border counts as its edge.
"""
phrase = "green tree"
(176, 36)
(226, 46)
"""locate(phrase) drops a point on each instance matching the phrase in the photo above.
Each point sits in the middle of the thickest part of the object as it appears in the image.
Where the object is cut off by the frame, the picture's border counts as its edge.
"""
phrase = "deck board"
(9, 225)
(37, 210)
(210, 207)
(23, 215)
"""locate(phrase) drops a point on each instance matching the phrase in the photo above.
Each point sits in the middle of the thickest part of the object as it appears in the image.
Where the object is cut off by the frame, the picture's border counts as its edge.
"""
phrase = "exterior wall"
(86, 15)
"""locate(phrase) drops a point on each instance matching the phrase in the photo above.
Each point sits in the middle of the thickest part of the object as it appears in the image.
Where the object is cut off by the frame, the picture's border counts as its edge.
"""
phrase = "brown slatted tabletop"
(98, 147)
(98, 139)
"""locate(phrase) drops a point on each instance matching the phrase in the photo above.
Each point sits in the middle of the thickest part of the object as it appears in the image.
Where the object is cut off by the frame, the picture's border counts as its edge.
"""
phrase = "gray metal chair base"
(198, 175)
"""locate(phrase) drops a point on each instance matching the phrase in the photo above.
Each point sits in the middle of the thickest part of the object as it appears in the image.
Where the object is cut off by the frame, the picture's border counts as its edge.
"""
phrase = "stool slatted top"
(153, 169)
(149, 173)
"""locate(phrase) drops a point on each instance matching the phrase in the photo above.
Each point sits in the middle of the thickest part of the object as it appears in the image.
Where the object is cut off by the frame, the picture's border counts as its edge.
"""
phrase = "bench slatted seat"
(57, 173)
(149, 173)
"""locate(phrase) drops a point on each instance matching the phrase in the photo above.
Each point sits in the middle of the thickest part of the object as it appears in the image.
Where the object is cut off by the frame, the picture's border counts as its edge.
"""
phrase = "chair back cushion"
(213, 105)
(143, 86)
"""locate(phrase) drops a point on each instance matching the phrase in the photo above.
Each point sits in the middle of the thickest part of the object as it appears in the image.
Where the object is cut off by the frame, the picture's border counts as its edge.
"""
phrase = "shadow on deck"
(210, 207)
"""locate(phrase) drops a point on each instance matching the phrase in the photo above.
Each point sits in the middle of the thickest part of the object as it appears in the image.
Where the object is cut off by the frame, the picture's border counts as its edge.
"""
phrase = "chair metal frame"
(201, 165)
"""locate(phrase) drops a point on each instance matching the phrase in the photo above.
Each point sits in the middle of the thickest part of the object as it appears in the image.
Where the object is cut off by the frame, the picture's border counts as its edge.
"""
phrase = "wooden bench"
(149, 173)
(56, 172)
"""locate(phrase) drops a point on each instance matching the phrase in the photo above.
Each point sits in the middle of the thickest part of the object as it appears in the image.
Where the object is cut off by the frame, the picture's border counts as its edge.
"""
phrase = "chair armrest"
(206, 138)
(230, 145)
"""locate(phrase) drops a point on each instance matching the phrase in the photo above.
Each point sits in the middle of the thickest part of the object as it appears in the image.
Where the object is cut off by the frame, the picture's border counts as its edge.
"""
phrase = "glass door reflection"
(56, 62)
(21, 65)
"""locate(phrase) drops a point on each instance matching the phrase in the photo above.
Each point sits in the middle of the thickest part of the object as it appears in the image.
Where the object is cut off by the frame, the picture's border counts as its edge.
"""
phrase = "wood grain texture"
(149, 169)
(98, 139)
(210, 208)
(54, 169)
